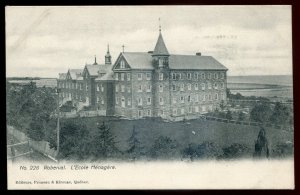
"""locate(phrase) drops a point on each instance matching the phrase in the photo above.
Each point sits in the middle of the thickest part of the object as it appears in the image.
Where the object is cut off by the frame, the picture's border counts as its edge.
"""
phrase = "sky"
(248, 40)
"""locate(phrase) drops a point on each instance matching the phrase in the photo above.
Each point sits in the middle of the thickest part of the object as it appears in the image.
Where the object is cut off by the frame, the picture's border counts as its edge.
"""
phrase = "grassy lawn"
(222, 134)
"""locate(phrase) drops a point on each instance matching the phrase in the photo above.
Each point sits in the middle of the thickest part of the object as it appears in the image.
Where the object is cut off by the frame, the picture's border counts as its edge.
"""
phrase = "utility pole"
(58, 125)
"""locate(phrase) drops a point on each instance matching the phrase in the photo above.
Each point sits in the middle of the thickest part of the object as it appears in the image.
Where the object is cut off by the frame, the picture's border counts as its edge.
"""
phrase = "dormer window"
(122, 64)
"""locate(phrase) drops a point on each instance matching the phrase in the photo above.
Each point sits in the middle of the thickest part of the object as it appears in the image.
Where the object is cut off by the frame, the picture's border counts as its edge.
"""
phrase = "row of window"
(174, 76)
(178, 111)
(180, 87)
(175, 100)
(196, 76)
(79, 97)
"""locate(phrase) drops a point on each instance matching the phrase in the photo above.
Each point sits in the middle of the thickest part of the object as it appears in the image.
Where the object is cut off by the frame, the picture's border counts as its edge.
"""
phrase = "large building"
(148, 84)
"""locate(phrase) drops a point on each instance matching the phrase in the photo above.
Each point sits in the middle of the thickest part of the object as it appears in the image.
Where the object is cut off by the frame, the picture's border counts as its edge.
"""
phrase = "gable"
(85, 73)
(121, 63)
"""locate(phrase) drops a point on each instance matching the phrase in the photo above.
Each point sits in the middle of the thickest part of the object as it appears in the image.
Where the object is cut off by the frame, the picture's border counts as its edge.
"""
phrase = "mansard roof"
(143, 60)
(160, 47)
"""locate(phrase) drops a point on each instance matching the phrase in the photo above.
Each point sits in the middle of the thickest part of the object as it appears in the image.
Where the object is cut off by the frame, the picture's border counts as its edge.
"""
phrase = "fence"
(81, 113)
(248, 123)
(40, 146)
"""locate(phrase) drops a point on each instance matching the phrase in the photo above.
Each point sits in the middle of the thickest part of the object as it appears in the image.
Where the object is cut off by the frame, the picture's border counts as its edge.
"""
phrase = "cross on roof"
(123, 47)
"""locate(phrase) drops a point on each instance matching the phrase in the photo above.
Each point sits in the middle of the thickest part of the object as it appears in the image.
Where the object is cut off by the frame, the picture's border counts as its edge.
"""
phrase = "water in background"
(285, 80)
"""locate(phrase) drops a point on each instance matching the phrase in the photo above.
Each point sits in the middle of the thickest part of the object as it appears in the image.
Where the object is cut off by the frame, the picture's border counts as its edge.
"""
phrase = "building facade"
(148, 84)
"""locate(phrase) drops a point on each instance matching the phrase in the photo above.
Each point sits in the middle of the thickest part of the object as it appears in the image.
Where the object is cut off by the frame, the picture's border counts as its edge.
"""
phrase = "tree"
(164, 148)
(228, 115)
(206, 150)
(281, 114)
(261, 113)
(104, 143)
(241, 116)
(261, 144)
(74, 139)
(135, 148)
(235, 150)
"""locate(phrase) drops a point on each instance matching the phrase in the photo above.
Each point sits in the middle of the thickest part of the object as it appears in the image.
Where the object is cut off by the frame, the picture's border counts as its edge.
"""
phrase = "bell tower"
(160, 54)
(107, 57)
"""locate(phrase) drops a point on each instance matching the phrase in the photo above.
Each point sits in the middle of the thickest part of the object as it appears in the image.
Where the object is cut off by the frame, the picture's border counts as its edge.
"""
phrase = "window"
(161, 89)
(203, 86)
(196, 98)
(148, 112)
(128, 89)
(140, 101)
(87, 87)
(216, 75)
(216, 85)
(98, 87)
(148, 76)
(179, 75)
(182, 110)
(161, 76)
(189, 98)
(189, 76)
(81, 86)
(129, 101)
(76, 96)
(182, 87)
(140, 76)
(117, 100)
(149, 87)
(149, 101)
(190, 109)
(140, 89)
(174, 111)
(222, 75)
(196, 76)
(173, 87)
(161, 112)
(117, 76)
(98, 99)
(122, 64)
(209, 85)
(123, 102)
(222, 85)
(174, 100)
(128, 76)
(140, 113)
(196, 109)
(102, 101)
(209, 76)
(181, 99)
(102, 88)
(189, 86)
(196, 86)
(203, 108)
(204, 97)
(173, 76)
(122, 76)
(203, 76)
(161, 101)
(80, 98)
(122, 88)
(209, 97)
(216, 96)
(117, 88)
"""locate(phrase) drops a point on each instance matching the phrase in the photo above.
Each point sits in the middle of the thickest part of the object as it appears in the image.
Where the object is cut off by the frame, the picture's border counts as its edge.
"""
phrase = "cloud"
(247, 39)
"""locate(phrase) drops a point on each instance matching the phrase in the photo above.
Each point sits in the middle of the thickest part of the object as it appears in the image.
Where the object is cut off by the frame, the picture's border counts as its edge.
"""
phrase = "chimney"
(150, 51)
(198, 54)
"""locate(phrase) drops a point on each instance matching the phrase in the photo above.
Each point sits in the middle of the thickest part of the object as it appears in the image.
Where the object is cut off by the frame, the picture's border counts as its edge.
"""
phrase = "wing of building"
(148, 84)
